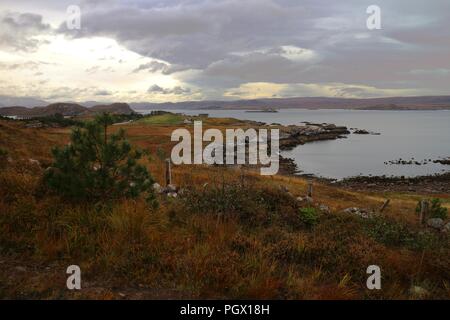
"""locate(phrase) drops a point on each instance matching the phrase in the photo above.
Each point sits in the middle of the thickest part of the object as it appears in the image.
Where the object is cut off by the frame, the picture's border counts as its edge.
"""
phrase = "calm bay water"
(404, 134)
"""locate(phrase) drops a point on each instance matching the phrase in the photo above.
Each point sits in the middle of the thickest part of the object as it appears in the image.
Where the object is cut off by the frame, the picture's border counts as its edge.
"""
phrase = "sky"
(177, 50)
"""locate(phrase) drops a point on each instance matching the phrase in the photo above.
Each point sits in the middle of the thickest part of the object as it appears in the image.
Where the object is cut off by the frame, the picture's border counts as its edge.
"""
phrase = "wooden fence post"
(423, 211)
(168, 172)
(310, 189)
(385, 204)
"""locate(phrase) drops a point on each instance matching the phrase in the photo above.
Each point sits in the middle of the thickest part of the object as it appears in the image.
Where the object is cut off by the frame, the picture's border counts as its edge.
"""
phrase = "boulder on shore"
(363, 131)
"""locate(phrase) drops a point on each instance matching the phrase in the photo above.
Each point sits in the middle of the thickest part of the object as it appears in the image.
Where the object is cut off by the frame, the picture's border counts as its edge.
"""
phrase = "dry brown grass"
(176, 251)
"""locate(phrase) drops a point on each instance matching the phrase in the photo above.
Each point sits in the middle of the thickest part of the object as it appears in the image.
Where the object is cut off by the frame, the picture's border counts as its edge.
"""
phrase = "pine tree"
(96, 166)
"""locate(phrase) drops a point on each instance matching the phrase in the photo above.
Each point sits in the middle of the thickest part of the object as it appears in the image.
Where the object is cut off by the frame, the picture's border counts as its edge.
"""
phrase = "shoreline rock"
(293, 135)
(364, 132)
(433, 184)
(443, 161)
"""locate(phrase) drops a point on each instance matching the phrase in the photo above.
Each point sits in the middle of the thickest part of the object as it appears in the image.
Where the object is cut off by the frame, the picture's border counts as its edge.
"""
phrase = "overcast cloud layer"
(190, 50)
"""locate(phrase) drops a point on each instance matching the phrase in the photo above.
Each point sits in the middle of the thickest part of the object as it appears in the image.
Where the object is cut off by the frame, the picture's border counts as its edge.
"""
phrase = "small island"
(265, 110)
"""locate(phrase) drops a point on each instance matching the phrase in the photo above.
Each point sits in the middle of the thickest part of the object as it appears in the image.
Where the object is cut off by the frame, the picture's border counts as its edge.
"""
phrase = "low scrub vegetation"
(56, 120)
(251, 204)
(228, 233)
(435, 209)
(309, 216)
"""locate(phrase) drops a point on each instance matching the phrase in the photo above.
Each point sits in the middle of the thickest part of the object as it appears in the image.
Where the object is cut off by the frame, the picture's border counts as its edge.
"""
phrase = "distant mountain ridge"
(392, 103)
(70, 108)
(66, 109)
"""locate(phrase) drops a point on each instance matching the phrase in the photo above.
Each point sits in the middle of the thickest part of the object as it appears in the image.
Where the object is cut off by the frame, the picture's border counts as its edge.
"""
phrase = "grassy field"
(232, 234)
(163, 119)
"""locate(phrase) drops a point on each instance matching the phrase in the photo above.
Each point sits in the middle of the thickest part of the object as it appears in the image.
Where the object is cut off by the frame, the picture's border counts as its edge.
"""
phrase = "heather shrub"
(393, 233)
(436, 210)
(252, 205)
(309, 216)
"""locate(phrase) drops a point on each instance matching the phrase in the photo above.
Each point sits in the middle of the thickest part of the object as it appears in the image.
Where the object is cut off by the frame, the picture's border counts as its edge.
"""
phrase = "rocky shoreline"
(291, 136)
(433, 184)
(363, 132)
(413, 161)
(443, 161)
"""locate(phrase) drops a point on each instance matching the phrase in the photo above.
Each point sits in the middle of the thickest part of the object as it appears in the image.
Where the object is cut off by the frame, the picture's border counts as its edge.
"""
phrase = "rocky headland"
(294, 135)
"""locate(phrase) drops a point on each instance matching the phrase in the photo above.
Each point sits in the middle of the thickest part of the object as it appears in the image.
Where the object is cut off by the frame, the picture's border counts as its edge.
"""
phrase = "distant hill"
(121, 108)
(66, 109)
(393, 103)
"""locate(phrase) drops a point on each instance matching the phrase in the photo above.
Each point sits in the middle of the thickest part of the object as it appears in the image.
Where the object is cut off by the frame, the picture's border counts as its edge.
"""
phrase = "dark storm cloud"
(18, 31)
(223, 44)
(194, 34)
(206, 35)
